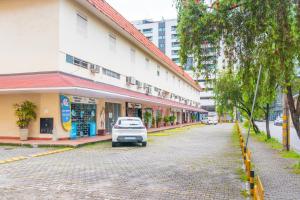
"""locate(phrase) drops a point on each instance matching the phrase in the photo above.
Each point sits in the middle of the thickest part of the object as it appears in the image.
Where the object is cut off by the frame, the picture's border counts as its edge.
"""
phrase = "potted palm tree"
(147, 119)
(25, 113)
(172, 119)
(194, 118)
(158, 120)
(166, 120)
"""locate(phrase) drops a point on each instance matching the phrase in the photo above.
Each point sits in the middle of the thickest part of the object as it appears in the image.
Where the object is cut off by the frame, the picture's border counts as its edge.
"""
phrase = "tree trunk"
(255, 127)
(295, 111)
(268, 121)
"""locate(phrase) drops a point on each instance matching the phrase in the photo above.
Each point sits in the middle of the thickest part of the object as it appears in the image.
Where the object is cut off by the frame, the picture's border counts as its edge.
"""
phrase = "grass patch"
(242, 174)
(159, 134)
(245, 193)
(262, 137)
(235, 137)
(290, 154)
(296, 168)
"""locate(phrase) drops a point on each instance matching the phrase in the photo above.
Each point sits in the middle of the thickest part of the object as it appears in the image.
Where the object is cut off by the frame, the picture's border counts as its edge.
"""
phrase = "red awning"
(60, 81)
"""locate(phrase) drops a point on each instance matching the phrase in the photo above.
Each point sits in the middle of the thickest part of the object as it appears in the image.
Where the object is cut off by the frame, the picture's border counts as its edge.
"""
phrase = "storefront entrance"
(83, 119)
(134, 110)
(112, 112)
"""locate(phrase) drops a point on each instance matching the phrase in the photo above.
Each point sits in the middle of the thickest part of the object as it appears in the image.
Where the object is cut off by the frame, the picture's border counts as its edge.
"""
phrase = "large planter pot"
(24, 134)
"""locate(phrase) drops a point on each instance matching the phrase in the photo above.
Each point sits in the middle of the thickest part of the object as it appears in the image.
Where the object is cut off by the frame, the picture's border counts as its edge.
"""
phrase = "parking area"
(195, 163)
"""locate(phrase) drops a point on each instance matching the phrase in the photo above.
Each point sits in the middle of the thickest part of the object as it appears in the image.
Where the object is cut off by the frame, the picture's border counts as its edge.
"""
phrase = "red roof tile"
(111, 13)
(60, 80)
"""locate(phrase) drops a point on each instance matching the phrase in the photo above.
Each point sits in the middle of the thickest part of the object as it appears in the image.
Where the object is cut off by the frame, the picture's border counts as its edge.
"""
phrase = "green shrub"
(25, 112)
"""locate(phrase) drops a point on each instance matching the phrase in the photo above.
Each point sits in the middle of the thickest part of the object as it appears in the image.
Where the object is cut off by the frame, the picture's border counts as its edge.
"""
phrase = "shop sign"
(175, 110)
(65, 110)
(134, 105)
(83, 100)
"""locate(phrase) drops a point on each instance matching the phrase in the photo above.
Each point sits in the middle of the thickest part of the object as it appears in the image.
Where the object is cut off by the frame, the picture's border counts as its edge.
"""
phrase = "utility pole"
(285, 124)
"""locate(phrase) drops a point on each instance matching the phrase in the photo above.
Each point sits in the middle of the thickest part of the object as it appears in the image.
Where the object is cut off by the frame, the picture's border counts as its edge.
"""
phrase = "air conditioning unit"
(94, 68)
(139, 84)
(130, 80)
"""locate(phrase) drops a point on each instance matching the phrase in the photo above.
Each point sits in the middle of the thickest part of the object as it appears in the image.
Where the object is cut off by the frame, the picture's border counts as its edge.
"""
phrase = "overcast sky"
(145, 9)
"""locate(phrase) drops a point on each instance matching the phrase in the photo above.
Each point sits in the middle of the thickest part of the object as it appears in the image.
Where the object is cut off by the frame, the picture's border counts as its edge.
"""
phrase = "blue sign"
(65, 110)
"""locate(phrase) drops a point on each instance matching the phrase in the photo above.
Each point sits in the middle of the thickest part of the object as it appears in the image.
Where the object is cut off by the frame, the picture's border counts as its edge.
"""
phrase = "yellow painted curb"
(51, 152)
(14, 159)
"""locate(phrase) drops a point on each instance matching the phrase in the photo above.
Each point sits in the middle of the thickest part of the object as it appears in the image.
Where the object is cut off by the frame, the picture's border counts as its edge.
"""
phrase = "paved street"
(276, 132)
(199, 163)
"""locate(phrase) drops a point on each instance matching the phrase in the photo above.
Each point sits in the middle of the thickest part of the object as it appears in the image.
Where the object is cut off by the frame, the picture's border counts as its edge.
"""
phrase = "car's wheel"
(144, 144)
(114, 144)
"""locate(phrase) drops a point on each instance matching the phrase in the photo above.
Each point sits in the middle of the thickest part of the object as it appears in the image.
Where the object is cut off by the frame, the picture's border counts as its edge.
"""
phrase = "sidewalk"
(77, 142)
(275, 171)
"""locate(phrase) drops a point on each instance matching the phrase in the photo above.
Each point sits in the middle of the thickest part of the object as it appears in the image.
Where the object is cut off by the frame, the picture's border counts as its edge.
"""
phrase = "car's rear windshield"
(130, 122)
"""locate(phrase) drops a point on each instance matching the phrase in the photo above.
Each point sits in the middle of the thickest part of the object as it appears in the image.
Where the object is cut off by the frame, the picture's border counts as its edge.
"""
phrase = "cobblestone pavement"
(275, 172)
(7, 152)
(199, 163)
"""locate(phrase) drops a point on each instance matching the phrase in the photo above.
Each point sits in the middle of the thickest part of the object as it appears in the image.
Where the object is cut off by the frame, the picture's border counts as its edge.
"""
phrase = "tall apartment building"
(164, 35)
(84, 65)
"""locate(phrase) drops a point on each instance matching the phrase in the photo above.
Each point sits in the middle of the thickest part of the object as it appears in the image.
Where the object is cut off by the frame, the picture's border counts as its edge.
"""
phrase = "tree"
(253, 33)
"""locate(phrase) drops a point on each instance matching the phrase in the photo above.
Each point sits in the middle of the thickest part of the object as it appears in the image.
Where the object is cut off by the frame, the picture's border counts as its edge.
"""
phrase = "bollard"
(252, 182)
(248, 169)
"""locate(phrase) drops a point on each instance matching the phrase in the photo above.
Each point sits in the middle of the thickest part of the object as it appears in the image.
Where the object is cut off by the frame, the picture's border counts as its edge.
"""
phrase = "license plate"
(129, 138)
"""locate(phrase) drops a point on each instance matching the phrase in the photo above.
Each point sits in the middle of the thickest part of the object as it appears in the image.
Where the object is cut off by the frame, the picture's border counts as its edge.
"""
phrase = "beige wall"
(28, 36)
(48, 106)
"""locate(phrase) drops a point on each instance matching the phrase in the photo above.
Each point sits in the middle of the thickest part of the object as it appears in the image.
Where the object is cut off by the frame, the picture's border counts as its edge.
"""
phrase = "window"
(206, 98)
(76, 61)
(174, 36)
(175, 52)
(175, 60)
(112, 42)
(81, 24)
(147, 30)
(110, 73)
(161, 37)
(149, 38)
(132, 55)
(158, 70)
(175, 44)
(173, 28)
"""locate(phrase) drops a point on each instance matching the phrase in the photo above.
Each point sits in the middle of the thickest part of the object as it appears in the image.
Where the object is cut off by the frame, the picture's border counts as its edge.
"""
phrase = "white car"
(129, 129)
(212, 120)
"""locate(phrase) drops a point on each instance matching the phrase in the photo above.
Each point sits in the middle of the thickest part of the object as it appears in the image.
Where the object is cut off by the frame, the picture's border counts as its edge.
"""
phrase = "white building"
(85, 53)
(164, 35)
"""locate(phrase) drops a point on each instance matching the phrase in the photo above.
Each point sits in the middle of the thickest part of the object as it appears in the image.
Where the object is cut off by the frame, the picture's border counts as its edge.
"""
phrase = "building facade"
(164, 35)
(84, 65)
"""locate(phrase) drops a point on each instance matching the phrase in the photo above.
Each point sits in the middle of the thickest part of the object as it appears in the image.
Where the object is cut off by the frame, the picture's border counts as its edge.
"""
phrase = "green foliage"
(147, 117)
(25, 112)
(194, 117)
(172, 119)
(252, 33)
(158, 117)
(290, 154)
(166, 119)
(296, 168)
